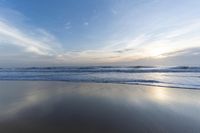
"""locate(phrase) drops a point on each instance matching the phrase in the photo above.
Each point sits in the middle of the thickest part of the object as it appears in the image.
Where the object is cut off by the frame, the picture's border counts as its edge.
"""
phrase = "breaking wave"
(175, 77)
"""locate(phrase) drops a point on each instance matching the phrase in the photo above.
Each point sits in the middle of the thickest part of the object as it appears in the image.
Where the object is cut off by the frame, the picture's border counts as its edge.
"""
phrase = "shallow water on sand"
(47, 107)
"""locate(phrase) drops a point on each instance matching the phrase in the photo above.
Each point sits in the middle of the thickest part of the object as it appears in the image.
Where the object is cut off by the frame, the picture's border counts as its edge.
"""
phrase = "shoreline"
(114, 83)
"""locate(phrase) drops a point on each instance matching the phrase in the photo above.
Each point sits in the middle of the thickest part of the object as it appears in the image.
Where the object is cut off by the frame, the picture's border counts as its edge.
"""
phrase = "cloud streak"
(11, 35)
(147, 45)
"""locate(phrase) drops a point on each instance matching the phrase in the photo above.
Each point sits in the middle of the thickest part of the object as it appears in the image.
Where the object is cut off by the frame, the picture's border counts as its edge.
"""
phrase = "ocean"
(100, 99)
(186, 77)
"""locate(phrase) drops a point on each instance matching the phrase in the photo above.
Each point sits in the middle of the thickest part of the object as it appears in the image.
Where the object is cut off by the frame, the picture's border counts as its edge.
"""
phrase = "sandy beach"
(46, 107)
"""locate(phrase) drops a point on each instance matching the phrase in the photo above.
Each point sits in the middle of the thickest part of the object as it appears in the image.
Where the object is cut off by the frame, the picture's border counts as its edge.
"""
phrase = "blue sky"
(99, 32)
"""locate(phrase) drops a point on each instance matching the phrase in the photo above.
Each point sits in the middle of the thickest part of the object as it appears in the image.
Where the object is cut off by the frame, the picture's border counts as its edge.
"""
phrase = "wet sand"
(60, 107)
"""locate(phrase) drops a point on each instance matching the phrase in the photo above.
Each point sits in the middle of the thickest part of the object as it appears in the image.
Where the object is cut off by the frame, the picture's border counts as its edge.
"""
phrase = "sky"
(99, 32)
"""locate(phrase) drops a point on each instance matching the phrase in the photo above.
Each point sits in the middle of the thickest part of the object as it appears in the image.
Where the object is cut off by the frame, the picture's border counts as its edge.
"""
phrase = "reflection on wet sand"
(109, 108)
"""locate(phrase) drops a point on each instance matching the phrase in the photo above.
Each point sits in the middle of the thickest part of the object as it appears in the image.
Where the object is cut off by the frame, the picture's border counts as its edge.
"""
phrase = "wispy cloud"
(85, 23)
(135, 34)
(68, 26)
(152, 44)
(157, 43)
(42, 45)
